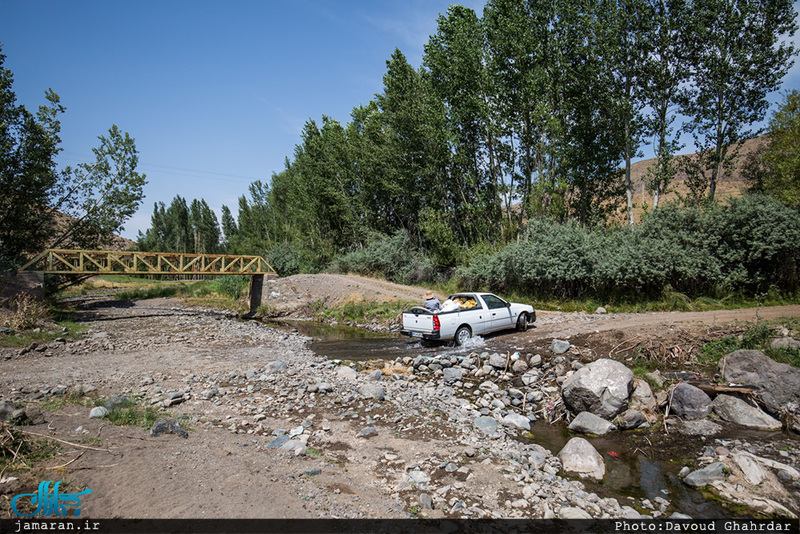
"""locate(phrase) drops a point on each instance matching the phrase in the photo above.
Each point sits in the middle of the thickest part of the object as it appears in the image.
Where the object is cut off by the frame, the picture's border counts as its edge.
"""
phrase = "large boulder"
(738, 411)
(690, 402)
(579, 457)
(778, 383)
(602, 388)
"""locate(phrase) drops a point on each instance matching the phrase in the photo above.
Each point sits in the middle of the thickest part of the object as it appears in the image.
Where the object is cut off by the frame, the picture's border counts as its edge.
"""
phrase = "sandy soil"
(151, 348)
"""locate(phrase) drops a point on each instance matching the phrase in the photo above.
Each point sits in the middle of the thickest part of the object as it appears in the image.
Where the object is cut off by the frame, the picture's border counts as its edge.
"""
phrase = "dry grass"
(25, 312)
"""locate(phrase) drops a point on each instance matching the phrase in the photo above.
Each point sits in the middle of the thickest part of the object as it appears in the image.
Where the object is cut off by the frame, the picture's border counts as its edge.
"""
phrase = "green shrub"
(393, 257)
(676, 253)
(288, 259)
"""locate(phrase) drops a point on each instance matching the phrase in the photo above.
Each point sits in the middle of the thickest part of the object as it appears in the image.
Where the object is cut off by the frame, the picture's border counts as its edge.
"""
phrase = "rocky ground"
(277, 431)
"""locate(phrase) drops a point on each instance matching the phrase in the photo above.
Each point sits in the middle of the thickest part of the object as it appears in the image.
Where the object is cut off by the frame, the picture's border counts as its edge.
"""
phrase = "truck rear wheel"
(522, 322)
(463, 334)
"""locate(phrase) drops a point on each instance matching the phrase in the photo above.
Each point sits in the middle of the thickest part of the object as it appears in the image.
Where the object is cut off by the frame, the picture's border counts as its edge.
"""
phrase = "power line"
(175, 171)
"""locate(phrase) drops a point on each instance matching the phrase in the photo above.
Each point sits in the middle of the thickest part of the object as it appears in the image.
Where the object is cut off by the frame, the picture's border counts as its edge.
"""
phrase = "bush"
(749, 245)
(288, 259)
(393, 257)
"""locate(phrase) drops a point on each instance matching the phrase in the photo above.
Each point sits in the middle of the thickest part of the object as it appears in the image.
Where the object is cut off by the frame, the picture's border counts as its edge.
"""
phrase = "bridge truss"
(94, 262)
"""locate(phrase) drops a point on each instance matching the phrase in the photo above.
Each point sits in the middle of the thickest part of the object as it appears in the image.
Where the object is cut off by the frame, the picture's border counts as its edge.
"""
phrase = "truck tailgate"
(418, 322)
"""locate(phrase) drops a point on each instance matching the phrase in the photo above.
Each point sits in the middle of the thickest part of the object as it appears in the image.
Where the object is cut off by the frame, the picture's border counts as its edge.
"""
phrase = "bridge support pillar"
(256, 289)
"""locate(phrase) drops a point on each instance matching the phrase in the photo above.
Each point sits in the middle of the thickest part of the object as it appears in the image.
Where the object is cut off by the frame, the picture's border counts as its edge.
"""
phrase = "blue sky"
(215, 93)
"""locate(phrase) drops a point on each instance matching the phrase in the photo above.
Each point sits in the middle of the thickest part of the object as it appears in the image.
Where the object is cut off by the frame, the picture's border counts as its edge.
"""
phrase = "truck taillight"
(436, 324)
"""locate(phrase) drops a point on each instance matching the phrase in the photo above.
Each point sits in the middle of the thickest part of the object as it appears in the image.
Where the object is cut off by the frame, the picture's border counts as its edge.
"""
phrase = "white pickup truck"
(490, 313)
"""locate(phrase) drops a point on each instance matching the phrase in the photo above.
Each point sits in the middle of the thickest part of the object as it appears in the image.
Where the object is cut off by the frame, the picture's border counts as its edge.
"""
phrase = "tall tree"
(737, 56)
(457, 68)
(29, 144)
(102, 195)
(629, 44)
(99, 197)
(229, 227)
(205, 227)
(593, 133)
(665, 72)
(419, 152)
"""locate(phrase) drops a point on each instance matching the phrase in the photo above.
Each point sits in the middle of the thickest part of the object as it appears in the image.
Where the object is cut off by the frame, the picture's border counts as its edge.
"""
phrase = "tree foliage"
(99, 197)
(775, 169)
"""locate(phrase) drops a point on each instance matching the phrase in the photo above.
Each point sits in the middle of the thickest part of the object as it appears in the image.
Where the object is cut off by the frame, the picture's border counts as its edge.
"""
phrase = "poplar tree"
(737, 56)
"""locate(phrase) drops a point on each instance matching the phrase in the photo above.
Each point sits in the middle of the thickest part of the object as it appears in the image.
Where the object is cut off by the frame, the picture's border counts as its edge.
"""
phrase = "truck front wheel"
(463, 334)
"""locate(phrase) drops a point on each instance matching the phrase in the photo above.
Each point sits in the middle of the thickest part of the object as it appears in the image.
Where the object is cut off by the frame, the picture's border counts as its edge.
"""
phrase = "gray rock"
(6, 409)
(538, 456)
(642, 397)
(167, 426)
(372, 391)
(588, 423)
(117, 402)
(375, 376)
(518, 421)
(705, 476)
(452, 374)
(5, 330)
(276, 366)
(600, 310)
(578, 457)
(366, 432)
(489, 425)
(426, 502)
(572, 512)
(559, 346)
(530, 377)
(497, 361)
(346, 372)
(656, 377)
(98, 412)
(785, 343)
(314, 472)
(690, 402)
(519, 366)
(34, 414)
(738, 411)
(630, 419)
(701, 427)
(535, 361)
(602, 388)
(279, 441)
(293, 445)
(778, 383)
(419, 477)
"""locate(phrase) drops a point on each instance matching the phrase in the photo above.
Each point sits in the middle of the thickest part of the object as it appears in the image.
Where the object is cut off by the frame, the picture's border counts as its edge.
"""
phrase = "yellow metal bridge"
(60, 261)
(92, 262)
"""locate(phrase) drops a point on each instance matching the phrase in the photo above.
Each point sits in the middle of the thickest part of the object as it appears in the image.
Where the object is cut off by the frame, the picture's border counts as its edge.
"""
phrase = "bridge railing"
(61, 261)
